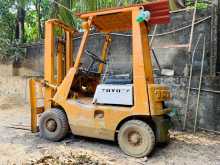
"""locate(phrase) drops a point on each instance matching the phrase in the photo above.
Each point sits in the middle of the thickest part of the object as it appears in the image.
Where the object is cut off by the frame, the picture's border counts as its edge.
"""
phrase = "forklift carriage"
(76, 99)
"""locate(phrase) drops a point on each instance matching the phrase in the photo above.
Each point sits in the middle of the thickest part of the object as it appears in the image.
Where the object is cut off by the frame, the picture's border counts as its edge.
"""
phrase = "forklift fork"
(35, 109)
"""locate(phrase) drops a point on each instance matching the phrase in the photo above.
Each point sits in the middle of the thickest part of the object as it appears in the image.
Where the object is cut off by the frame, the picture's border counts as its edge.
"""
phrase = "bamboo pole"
(189, 83)
(200, 85)
(192, 29)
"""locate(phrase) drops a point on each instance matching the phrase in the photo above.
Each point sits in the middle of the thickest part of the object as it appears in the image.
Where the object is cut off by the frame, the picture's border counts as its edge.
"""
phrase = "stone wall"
(209, 105)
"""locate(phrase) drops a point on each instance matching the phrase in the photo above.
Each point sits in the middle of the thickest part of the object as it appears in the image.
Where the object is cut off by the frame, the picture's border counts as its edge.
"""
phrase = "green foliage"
(92, 5)
(15, 52)
(31, 31)
(200, 4)
(8, 43)
(7, 20)
(65, 15)
(36, 12)
(10, 51)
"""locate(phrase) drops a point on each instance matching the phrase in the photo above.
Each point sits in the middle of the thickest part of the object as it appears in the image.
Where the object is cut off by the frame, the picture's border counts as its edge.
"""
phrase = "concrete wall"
(209, 105)
(172, 58)
(12, 86)
(176, 58)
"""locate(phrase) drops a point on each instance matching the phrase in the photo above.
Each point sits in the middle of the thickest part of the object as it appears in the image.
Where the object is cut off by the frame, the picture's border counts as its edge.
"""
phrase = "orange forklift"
(76, 98)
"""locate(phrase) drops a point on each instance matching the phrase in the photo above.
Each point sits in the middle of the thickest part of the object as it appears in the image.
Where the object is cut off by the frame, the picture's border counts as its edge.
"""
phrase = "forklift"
(130, 111)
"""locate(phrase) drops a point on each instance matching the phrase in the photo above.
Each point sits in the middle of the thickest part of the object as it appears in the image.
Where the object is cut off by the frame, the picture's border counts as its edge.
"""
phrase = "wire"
(126, 35)
(182, 28)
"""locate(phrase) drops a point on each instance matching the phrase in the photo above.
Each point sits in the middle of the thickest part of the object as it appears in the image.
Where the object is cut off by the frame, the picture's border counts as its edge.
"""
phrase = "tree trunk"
(16, 67)
(218, 36)
(19, 34)
(38, 9)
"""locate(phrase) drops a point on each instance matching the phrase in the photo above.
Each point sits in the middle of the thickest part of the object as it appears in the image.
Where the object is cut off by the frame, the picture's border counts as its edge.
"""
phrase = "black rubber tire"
(145, 135)
(62, 125)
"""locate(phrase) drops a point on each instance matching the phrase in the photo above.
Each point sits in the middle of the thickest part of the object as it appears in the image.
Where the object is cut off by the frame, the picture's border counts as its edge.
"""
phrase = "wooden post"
(218, 34)
(214, 38)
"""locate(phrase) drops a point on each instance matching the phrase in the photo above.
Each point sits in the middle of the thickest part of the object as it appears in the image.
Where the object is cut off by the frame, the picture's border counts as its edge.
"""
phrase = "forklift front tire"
(136, 138)
(53, 124)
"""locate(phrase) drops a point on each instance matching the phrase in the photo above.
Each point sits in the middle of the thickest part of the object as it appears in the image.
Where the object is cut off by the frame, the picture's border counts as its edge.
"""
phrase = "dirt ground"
(20, 146)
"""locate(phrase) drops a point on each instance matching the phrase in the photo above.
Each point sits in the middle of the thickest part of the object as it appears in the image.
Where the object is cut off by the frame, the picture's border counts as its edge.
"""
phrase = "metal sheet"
(114, 94)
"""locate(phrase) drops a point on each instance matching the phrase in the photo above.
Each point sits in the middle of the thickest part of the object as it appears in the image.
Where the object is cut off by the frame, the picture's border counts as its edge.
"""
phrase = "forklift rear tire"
(53, 124)
(136, 138)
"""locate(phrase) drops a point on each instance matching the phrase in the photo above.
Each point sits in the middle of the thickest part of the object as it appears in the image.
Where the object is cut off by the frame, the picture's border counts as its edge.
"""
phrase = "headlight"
(162, 94)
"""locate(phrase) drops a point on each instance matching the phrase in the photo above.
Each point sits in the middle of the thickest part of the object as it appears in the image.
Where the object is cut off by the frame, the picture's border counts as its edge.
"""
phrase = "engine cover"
(114, 94)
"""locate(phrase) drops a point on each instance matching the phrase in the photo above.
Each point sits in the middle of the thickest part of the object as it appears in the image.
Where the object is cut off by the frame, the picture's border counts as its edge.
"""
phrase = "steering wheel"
(94, 57)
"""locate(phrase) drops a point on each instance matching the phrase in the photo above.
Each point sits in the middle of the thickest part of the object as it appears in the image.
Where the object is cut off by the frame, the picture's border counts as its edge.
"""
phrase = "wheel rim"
(51, 125)
(134, 138)
(134, 141)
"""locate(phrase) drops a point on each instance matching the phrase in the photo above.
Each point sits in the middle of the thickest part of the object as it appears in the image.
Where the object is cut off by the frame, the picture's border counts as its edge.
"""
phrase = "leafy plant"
(10, 51)
(200, 4)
